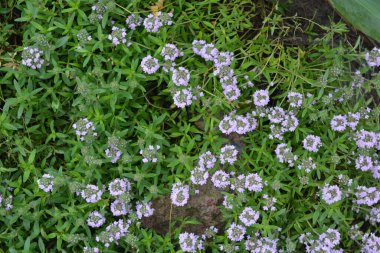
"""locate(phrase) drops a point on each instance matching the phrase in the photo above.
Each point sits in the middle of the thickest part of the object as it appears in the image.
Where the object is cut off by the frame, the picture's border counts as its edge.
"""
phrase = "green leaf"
(26, 175)
(41, 244)
(62, 41)
(27, 245)
(38, 26)
(32, 156)
(364, 15)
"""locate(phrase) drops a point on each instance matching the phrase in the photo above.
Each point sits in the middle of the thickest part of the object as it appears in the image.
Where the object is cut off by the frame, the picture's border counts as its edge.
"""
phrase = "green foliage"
(363, 15)
(105, 83)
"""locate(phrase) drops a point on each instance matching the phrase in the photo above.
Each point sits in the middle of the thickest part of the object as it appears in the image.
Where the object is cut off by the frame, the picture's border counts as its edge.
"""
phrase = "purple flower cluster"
(232, 92)
(118, 36)
(133, 21)
(115, 145)
(258, 244)
(32, 57)
(7, 202)
(367, 196)
(276, 114)
(237, 123)
(223, 59)
(228, 154)
(91, 193)
(46, 183)
(286, 120)
(229, 248)
(119, 207)
(367, 139)
(183, 98)
(170, 52)
(153, 23)
(307, 165)
(261, 97)
(222, 62)
(180, 194)
(371, 243)
(85, 130)
(190, 242)
(364, 163)
(144, 209)
(207, 51)
(119, 186)
(150, 153)
(354, 232)
(290, 123)
(376, 171)
(312, 143)
(207, 160)
(339, 123)
(149, 64)
(98, 10)
(236, 232)
(253, 182)
(227, 203)
(295, 99)
(95, 219)
(238, 183)
(269, 203)
(249, 217)
(209, 233)
(181, 76)
(374, 216)
(199, 176)
(197, 46)
(331, 194)
(344, 180)
(353, 119)
(373, 57)
(326, 242)
(113, 233)
(220, 179)
(285, 154)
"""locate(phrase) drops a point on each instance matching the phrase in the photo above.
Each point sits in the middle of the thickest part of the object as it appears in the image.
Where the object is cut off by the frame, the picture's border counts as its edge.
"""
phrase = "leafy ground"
(112, 140)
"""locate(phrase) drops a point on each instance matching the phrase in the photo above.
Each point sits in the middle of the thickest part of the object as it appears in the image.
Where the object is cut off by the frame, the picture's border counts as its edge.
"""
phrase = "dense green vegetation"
(98, 123)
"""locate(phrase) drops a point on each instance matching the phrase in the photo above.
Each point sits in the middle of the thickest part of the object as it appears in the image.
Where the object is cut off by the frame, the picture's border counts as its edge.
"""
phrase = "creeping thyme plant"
(107, 106)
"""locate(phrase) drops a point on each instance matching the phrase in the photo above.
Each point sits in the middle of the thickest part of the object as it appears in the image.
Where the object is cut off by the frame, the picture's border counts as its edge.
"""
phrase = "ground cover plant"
(116, 115)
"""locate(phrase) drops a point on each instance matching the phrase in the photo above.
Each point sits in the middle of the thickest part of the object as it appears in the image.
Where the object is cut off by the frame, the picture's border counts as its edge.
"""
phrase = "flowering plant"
(109, 107)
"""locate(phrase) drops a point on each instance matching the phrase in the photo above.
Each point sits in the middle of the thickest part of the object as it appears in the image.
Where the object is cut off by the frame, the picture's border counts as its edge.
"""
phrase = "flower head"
(228, 154)
(183, 98)
(338, 123)
(261, 97)
(133, 21)
(149, 64)
(236, 232)
(46, 183)
(95, 219)
(312, 143)
(180, 194)
(91, 193)
(331, 194)
(32, 57)
(249, 217)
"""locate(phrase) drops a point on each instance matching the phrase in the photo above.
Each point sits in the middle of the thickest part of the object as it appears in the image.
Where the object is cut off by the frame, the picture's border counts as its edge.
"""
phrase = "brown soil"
(203, 207)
